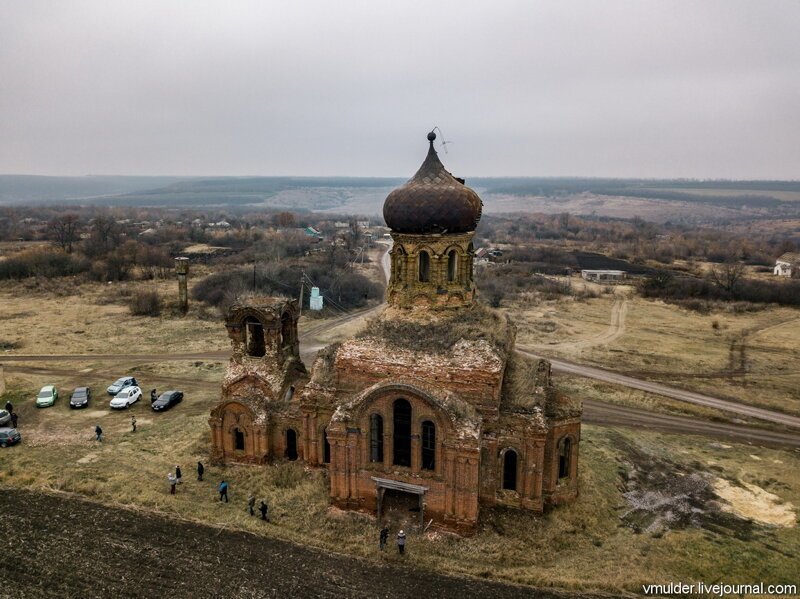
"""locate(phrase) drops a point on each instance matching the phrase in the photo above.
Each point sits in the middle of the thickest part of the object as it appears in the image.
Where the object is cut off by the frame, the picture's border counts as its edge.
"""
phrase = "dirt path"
(61, 546)
(616, 328)
(609, 376)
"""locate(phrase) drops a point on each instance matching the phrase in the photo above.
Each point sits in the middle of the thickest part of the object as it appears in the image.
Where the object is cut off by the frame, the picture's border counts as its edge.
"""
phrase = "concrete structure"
(182, 270)
(787, 265)
(604, 276)
(430, 404)
(315, 302)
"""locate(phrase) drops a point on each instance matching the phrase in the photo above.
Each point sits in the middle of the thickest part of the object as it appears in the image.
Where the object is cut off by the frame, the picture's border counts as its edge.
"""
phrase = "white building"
(603, 276)
(787, 264)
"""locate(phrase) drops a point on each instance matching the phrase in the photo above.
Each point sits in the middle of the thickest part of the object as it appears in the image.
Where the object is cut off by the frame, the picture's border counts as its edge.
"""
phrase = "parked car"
(166, 400)
(127, 397)
(47, 396)
(5, 417)
(80, 397)
(120, 384)
(9, 436)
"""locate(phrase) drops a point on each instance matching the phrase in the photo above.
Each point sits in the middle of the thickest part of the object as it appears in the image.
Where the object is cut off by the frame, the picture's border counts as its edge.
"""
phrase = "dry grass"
(576, 546)
(752, 357)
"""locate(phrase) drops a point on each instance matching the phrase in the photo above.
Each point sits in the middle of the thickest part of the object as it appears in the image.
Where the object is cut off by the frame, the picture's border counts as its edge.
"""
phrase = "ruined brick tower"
(430, 402)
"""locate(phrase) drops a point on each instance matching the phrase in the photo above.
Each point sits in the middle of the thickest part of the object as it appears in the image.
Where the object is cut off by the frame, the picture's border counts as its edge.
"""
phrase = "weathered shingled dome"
(432, 201)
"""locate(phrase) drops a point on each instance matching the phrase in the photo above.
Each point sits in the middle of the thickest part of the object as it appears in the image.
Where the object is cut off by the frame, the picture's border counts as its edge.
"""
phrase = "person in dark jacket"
(263, 509)
(172, 482)
(14, 419)
(401, 542)
(178, 474)
(223, 491)
(153, 396)
(9, 407)
(200, 470)
(133, 423)
(384, 537)
(251, 504)
(98, 433)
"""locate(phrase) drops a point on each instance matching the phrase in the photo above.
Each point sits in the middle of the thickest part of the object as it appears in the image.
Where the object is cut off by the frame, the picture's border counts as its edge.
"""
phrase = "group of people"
(14, 417)
(401, 540)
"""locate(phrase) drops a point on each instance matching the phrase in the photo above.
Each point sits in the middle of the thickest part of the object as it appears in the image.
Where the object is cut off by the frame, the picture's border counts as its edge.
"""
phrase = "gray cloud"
(663, 89)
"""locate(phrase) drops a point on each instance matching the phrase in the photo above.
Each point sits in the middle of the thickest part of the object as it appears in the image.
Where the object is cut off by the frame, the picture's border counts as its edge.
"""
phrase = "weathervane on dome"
(432, 136)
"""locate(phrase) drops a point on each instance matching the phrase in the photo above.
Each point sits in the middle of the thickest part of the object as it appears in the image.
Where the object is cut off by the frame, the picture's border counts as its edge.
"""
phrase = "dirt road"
(609, 376)
(616, 328)
(61, 546)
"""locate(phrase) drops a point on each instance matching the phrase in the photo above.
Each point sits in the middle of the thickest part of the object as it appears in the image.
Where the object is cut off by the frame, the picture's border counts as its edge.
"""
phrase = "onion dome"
(432, 201)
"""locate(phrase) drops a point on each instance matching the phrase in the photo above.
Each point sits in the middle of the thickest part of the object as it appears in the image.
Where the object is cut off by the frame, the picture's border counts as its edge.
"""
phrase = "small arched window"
(510, 470)
(564, 457)
(424, 267)
(238, 439)
(376, 438)
(452, 265)
(428, 445)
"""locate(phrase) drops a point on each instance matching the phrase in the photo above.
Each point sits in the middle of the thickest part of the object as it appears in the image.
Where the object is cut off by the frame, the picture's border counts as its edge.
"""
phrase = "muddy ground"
(67, 547)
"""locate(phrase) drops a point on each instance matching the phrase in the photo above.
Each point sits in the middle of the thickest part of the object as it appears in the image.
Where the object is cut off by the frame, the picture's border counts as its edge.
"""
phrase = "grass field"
(603, 541)
(751, 357)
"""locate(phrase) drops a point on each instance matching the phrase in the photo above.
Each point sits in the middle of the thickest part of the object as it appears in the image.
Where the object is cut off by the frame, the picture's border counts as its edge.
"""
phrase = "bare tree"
(65, 231)
(727, 276)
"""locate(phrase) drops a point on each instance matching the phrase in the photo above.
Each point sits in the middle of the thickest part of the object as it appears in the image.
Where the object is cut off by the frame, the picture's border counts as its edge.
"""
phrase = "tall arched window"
(238, 439)
(291, 444)
(254, 337)
(510, 470)
(452, 265)
(402, 433)
(564, 457)
(428, 445)
(287, 338)
(424, 267)
(376, 438)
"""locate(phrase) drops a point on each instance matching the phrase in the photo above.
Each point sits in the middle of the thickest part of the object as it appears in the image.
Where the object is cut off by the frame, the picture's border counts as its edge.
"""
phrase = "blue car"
(120, 384)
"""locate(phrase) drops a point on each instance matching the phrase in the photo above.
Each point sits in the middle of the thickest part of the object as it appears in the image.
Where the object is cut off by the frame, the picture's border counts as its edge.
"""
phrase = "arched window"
(326, 454)
(428, 445)
(289, 394)
(291, 444)
(424, 267)
(254, 337)
(564, 457)
(452, 265)
(238, 439)
(510, 470)
(376, 438)
(402, 433)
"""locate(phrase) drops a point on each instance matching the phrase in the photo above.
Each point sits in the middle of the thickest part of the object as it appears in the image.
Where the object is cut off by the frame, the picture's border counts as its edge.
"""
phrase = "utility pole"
(302, 282)
(254, 276)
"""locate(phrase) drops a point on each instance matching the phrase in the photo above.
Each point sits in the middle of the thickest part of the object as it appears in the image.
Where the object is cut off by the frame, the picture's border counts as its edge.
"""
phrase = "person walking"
(14, 419)
(401, 542)
(384, 537)
(98, 433)
(223, 491)
(251, 504)
(178, 475)
(200, 470)
(172, 482)
(153, 396)
(263, 509)
(133, 423)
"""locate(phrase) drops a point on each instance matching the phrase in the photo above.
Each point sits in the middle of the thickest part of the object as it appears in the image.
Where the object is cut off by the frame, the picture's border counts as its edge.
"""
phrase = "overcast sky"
(338, 87)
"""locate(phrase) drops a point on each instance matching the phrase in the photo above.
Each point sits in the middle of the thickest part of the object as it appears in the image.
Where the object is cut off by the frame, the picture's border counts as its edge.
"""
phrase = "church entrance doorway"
(400, 503)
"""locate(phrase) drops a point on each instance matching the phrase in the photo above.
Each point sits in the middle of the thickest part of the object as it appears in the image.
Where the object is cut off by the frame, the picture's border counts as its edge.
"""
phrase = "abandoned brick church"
(431, 399)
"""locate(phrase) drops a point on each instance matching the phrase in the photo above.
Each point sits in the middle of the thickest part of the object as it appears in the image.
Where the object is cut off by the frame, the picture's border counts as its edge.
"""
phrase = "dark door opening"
(291, 444)
(402, 433)
(326, 455)
(254, 332)
(564, 458)
(238, 439)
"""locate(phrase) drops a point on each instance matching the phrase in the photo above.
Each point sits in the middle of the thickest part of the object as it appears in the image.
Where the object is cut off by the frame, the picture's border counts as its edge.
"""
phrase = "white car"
(126, 397)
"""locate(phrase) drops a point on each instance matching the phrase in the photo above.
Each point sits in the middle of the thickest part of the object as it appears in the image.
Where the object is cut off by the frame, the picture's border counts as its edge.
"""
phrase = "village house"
(430, 405)
(604, 275)
(787, 265)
